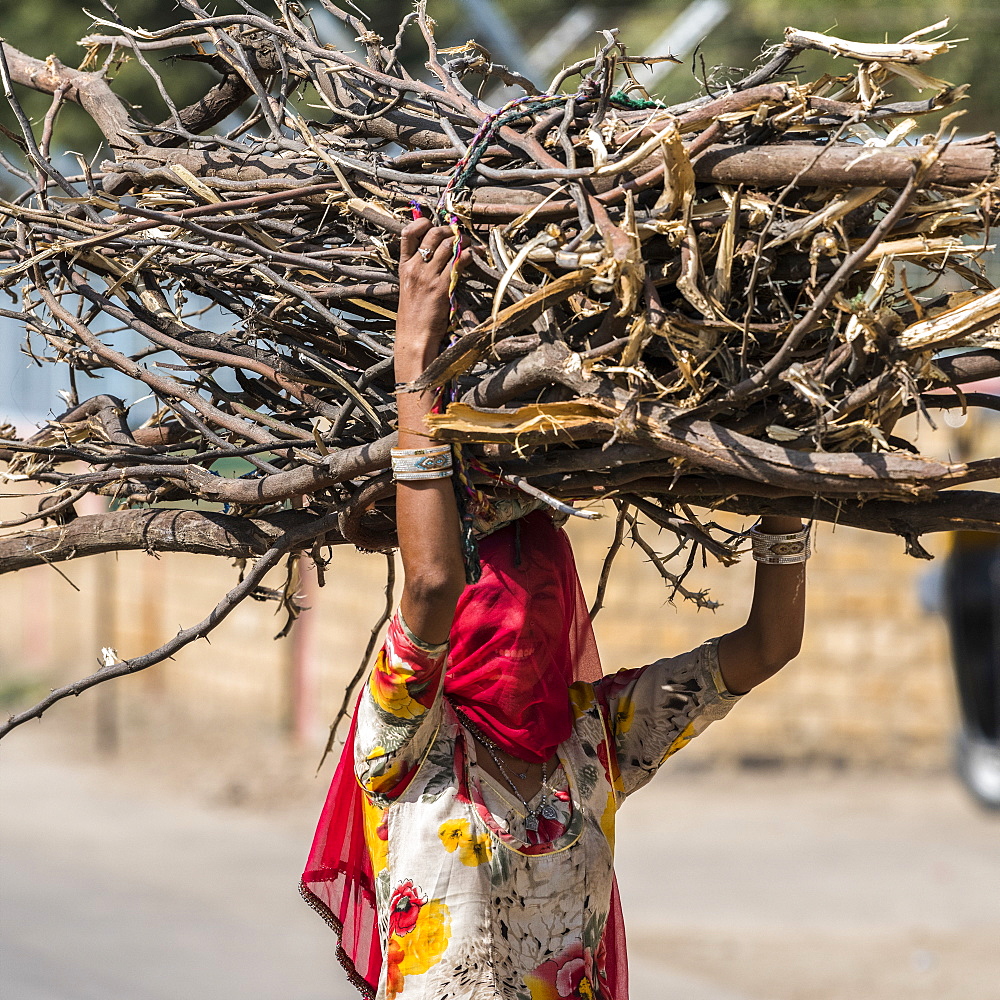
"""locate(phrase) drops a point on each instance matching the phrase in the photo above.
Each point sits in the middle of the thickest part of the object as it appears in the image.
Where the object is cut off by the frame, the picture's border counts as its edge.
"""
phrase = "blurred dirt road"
(736, 886)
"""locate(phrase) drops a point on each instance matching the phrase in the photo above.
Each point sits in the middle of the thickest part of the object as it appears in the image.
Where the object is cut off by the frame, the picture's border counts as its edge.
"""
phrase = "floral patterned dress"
(472, 904)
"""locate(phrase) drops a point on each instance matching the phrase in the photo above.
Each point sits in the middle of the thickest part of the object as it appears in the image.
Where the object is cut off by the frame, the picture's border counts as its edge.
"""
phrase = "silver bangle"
(409, 464)
(781, 550)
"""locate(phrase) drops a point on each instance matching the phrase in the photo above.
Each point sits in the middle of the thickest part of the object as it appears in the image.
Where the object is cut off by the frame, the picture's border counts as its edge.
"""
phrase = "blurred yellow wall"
(871, 686)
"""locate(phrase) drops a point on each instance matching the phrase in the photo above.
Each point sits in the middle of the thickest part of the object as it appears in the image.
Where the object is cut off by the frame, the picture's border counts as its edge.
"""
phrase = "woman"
(465, 850)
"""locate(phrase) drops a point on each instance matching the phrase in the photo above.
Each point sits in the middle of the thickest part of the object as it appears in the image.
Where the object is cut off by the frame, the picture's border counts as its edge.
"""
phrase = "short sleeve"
(399, 711)
(654, 711)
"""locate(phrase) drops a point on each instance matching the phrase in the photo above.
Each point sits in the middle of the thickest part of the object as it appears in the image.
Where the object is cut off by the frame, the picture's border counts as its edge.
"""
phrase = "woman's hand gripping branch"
(426, 511)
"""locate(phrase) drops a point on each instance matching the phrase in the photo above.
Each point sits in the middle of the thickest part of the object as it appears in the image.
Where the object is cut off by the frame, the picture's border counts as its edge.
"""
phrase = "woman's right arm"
(400, 708)
(426, 513)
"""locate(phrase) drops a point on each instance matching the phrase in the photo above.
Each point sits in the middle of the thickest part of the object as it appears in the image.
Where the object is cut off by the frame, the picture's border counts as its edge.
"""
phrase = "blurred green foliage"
(737, 41)
(54, 26)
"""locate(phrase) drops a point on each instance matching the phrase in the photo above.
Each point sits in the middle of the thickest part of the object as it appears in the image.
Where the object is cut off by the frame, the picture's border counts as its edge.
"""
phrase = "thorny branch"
(613, 550)
(244, 589)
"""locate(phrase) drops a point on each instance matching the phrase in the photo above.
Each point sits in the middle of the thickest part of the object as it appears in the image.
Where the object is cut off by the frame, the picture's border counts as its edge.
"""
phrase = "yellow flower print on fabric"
(473, 849)
(539, 989)
(388, 688)
(427, 942)
(681, 741)
(383, 772)
(581, 697)
(452, 832)
(415, 952)
(608, 819)
(561, 977)
(376, 835)
(624, 715)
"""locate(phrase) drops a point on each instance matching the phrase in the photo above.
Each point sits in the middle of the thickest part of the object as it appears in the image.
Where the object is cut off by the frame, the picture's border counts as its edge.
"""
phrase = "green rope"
(622, 100)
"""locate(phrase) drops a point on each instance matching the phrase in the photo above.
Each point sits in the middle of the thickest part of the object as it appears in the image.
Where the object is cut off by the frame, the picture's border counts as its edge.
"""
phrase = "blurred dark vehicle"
(971, 604)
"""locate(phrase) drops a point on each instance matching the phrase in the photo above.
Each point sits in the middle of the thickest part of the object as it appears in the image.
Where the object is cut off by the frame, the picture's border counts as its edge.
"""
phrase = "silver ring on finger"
(426, 253)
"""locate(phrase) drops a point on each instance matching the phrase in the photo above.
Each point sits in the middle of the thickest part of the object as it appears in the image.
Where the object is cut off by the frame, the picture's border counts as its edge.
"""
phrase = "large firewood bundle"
(728, 303)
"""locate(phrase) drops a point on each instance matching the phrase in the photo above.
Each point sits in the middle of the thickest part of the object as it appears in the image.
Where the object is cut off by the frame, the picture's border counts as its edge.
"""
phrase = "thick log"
(960, 510)
(973, 366)
(89, 90)
(834, 166)
(208, 533)
(604, 411)
(200, 532)
(338, 467)
(761, 166)
(219, 102)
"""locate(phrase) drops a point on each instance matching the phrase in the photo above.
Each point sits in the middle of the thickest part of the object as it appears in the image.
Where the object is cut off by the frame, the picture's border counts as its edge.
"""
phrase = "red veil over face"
(520, 638)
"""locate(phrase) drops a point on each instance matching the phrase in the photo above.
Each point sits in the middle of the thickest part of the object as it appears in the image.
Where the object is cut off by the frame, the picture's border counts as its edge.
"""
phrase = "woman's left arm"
(772, 634)
(655, 710)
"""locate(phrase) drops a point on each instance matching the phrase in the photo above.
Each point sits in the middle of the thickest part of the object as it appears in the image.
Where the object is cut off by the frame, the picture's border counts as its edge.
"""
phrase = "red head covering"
(520, 638)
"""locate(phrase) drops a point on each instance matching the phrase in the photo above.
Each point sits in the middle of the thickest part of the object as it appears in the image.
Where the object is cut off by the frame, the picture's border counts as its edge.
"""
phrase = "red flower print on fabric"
(404, 908)
(569, 975)
(564, 976)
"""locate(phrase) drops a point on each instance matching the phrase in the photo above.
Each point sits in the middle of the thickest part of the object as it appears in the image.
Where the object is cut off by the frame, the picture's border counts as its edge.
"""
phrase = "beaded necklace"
(545, 809)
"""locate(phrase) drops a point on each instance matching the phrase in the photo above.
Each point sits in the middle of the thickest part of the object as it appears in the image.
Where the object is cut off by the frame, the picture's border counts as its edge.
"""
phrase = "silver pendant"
(531, 822)
(548, 811)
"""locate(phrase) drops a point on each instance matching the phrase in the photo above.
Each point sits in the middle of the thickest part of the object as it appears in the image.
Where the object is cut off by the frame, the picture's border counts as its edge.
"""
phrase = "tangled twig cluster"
(727, 303)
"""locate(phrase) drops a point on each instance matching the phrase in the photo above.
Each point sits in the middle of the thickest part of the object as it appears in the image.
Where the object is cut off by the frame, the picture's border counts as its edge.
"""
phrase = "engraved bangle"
(409, 464)
(434, 449)
(409, 477)
(780, 550)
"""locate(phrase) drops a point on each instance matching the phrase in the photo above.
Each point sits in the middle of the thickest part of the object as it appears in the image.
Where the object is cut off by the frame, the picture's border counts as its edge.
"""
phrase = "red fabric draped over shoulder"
(339, 881)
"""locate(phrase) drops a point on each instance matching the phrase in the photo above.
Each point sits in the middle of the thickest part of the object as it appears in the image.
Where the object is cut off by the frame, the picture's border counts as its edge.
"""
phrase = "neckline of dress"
(505, 793)
(574, 825)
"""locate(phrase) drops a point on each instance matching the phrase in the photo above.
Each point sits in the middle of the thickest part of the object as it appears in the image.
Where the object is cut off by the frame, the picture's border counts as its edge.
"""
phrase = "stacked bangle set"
(780, 550)
(410, 464)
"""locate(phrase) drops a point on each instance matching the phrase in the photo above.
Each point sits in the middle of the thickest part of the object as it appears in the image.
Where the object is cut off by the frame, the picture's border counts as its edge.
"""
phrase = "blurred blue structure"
(29, 390)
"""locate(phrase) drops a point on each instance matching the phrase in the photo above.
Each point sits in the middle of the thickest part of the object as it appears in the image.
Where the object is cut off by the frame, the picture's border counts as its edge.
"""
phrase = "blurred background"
(816, 845)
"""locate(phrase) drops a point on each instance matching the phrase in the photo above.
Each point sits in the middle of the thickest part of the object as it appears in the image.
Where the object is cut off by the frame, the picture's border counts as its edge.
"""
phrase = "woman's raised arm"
(772, 634)
(426, 511)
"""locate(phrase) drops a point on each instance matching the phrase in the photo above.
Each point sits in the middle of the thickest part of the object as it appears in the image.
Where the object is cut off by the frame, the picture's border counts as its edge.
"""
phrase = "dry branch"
(154, 531)
(287, 542)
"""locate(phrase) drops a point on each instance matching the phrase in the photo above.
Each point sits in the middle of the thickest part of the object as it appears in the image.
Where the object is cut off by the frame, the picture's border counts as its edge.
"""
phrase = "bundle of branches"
(727, 303)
